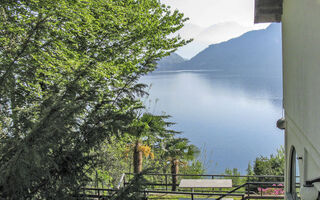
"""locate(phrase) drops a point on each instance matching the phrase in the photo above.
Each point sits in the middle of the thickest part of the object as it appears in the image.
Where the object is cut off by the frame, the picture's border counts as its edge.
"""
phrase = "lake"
(231, 117)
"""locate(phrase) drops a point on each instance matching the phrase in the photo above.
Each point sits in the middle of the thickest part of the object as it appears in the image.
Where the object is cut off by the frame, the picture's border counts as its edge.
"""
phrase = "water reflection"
(233, 115)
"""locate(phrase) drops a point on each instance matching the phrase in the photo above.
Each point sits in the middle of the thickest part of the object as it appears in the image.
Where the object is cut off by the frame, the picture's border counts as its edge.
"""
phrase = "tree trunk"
(137, 158)
(174, 171)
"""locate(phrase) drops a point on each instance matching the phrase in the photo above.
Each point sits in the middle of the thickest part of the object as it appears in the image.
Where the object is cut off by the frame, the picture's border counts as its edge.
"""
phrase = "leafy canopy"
(180, 149)
(273, 165)
(68, 80)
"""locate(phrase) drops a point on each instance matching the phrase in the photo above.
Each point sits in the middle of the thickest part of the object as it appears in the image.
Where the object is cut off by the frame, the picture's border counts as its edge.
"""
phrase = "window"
(294, 174)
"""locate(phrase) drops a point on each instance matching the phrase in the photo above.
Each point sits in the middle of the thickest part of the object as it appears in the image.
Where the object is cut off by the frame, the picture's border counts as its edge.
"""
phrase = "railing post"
(212, 177)
(97, 182)
(145, 194)
(166, 177)
(192, 196)
(248, 187)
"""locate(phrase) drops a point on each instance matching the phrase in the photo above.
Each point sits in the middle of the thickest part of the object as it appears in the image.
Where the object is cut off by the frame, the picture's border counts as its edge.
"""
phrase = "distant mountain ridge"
(170, 62)
(253, 53)
(214, 34)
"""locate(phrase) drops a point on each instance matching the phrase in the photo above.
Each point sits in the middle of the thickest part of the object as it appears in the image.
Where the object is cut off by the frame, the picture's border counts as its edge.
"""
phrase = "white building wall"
(301, 69)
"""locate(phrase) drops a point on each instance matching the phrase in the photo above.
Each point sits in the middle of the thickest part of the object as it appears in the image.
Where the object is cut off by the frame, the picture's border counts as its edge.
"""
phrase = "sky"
(213, 21)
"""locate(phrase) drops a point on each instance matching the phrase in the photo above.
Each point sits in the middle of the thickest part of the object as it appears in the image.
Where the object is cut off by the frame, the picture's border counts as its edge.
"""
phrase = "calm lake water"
(232, 118)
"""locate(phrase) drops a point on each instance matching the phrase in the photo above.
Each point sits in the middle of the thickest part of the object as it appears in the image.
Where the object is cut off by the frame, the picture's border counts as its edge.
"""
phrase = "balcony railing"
(244, 187)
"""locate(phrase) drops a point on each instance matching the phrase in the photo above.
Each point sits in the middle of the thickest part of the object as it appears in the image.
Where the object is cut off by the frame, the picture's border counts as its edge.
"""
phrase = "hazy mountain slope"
(170, 62)
(254, 52)
(205, 36)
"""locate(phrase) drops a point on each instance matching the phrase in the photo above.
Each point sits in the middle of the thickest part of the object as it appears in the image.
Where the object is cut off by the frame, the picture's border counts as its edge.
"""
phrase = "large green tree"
(68, 80)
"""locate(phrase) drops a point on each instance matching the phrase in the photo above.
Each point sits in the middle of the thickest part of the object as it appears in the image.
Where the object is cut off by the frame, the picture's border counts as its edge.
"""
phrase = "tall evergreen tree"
(68, 80)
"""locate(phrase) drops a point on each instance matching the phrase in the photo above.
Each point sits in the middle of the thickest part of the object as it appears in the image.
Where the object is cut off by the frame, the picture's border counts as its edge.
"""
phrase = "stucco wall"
(301, 60)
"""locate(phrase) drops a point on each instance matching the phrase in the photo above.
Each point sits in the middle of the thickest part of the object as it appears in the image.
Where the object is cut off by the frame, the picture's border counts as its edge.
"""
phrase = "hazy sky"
(209, 12)
(214, 21)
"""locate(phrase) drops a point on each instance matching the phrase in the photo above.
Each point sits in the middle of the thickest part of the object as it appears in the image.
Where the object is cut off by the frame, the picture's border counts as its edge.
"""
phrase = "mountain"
(255, 52)
(205, 36)
(169, 62)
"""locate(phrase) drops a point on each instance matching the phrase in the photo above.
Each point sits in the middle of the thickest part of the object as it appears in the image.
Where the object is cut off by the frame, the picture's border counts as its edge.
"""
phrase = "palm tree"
(179, 151)
(148, 128)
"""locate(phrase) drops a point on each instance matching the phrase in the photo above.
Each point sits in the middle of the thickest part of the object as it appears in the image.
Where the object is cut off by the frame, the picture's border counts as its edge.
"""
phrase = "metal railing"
(110, 192)
(245, 187)
(165, 180)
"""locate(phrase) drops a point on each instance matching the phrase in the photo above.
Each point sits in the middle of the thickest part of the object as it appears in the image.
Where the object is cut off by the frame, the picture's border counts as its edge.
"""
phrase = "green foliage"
(180, 149)
(111, 163)
(273, 165)
(234, 172)
(134, 188)
(151, 128)
(68, 81)
(250, 170)
(194, 167)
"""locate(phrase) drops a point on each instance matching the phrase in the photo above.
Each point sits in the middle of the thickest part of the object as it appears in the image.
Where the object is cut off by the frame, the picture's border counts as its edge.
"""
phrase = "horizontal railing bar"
(189, 193)
(253, 183)
(210, 175)
(101, 189)
(232, 191)
(245, 197)
(264, 183)
(264, 197)
(166, 192)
